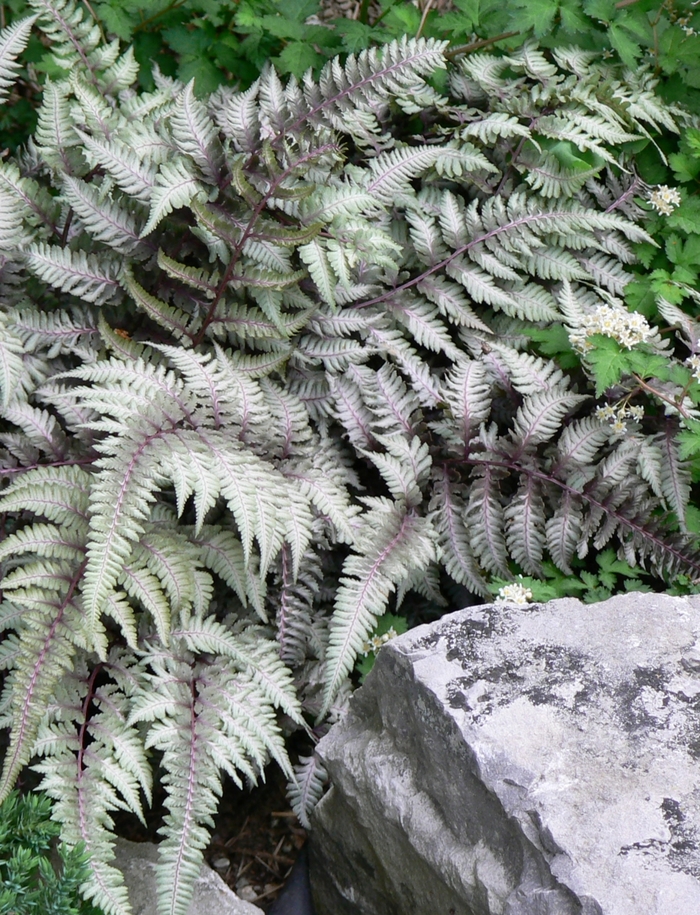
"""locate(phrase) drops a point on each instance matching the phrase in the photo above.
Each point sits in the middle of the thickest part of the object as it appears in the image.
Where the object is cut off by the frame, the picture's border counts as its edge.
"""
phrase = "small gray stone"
(520, 761)
(137, 861)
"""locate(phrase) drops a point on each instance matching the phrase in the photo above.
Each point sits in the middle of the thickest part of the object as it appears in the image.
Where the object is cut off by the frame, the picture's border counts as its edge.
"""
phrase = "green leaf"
(297, 57)
(686, 216)
(629, 50)
(601, 10)
(689, 439)
(572, 19)
(608, 361)
(538, 15)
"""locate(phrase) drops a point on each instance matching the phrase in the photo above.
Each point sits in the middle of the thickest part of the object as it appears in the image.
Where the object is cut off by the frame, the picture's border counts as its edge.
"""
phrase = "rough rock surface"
(542, 760)
(137, 861)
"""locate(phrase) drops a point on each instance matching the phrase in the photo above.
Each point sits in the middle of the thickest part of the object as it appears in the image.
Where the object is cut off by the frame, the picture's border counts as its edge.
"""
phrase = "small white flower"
(627, 327)
(694, 363)
(664, 199)
(616, 414)
(514, 594)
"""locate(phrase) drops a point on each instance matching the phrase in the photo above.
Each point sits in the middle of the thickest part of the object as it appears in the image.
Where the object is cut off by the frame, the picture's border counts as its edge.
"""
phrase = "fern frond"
(395, 544)
(306, 790)
(135, 177)
(196, 135)
(87, 276)
(390, 173)
(563, 531)
(349, 98)
(107, 221)
(11, 361)
(539, 417)
(524, 520)
(58, 494)
(74, 37)
(467, 393)
(675, 474)
(175, 187)
(13, 40)
(447, 515)
(405, 466)
(484, 519)
(56, 137)
(47, 653)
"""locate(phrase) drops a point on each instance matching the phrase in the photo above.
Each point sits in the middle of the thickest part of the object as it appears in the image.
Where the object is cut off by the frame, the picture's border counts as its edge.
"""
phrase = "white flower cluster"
(694, 363)
(664, 199)
(684, 23)
(616, 414)
(376, 642)
(627, 327)
(514, 594)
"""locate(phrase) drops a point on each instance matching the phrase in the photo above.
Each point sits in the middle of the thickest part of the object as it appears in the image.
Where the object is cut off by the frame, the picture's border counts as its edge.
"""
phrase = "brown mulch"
(256, 840)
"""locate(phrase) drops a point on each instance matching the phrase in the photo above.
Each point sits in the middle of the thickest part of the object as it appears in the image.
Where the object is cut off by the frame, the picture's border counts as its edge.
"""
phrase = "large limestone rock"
(137, 862)
(520, 761)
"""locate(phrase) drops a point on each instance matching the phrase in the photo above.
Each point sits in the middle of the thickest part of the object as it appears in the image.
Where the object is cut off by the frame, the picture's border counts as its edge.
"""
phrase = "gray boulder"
(137, 861)
(509, 760)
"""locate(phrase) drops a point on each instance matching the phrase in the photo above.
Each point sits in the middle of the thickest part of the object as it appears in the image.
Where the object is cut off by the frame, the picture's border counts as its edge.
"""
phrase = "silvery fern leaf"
(467, 391)
(447, 513)
(540, 416)
(13, 40)
(11, 361)
(391, 172)
(348, 98)
(524, 520)
(484, 519)
(90, 277)
(306, 790)
(238, 117)
(56, 136)
(41, 209)
(563, 531)
(315, 256)
(528, 374)
(395, 544)
(404, 467)
(491, 127)
(395, 408)
(196, 135)
(93, 110)
(675, 473)
(176, 186)
(106, 220)
(452, 303)
(121, 74)
(137, 178)
(581, 440)
(177, 322)
(423, 321)
(74, 35)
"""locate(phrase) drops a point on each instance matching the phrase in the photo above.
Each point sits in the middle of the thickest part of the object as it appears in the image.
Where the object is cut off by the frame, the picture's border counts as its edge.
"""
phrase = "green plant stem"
(363, 14)
(426, 10)
(477, 45)
(676, 404)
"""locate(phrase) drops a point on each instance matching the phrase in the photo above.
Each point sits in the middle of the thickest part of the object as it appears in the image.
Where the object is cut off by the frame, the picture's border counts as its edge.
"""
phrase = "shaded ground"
(255, 840)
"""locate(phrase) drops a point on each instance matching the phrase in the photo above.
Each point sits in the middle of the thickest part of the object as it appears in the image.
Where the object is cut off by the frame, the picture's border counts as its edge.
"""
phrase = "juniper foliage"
(263, 371)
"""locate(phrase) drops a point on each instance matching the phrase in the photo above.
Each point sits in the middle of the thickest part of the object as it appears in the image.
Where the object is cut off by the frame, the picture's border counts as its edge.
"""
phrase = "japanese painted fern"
(266, 365)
